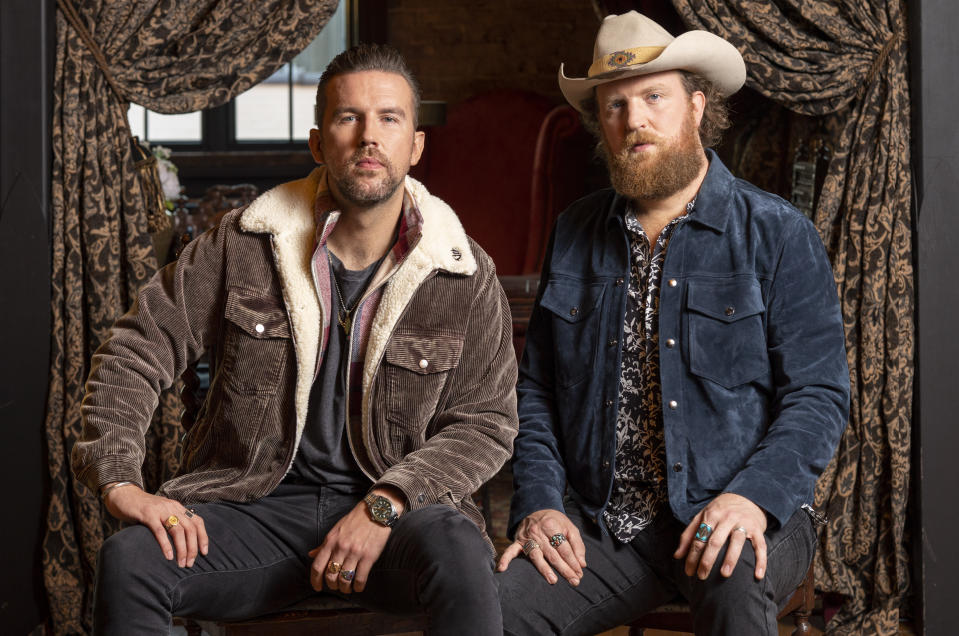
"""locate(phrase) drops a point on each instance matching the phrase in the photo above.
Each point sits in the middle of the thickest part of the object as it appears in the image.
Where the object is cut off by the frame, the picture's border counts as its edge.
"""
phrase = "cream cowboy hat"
(632, 44)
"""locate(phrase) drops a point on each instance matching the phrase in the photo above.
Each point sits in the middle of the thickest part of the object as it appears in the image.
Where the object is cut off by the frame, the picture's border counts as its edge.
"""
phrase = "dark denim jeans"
(624, 581)
(435, 561)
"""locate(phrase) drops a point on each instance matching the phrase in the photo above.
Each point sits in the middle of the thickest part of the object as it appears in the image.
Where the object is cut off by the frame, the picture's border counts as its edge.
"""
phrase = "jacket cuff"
(419, 492)
(768, 496)
(109, 469)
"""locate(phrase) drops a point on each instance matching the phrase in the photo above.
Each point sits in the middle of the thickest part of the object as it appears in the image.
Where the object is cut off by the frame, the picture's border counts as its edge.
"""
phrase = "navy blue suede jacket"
(755, 385)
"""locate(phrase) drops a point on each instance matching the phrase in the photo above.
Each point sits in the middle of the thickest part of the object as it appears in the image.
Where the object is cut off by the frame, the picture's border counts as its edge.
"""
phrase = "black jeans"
(435, 561)
(624, 581)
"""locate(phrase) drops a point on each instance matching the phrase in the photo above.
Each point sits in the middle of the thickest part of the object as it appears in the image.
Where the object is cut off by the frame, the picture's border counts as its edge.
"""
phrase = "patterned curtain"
(172, 56)
(845, 61)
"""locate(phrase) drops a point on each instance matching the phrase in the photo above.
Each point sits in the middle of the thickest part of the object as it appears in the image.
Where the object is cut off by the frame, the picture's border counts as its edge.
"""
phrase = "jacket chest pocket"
(416, 369)
(573, 307)
(727, 338)
(256, 342)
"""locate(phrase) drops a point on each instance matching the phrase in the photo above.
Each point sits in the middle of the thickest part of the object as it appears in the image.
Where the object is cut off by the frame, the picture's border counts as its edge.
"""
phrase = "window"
(275, 114)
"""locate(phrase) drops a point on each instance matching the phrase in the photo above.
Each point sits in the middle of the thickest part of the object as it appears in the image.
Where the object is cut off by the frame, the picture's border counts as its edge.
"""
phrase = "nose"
(367, 134)
(636, 116)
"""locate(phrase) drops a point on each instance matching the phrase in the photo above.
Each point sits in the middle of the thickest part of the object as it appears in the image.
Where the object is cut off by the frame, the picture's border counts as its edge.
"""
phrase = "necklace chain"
(343, 317)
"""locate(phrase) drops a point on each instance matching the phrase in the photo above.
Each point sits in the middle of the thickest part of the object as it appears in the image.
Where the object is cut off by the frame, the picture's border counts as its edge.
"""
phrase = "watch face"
(381, 509)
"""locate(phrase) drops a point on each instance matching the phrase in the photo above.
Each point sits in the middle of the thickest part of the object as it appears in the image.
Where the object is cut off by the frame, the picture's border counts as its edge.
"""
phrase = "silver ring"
(557, 539)
(347, 575)
(741, 529)
(529, 546)
(190, 513)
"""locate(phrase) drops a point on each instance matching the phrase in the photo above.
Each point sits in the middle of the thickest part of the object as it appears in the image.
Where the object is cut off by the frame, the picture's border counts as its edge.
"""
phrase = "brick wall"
(458, 49)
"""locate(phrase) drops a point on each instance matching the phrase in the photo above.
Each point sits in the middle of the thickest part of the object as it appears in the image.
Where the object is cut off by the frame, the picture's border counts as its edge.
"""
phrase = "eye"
(654, 97)
(345, 119)
(392, 119)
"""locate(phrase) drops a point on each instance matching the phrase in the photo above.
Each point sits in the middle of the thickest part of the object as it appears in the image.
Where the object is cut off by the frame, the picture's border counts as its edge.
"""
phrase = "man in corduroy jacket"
(362, 378)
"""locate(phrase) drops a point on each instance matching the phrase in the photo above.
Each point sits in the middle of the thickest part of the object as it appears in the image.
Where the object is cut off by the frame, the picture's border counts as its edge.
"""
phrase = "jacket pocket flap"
(424, 352)
(727, 301)
(260, 316)
(571, 301)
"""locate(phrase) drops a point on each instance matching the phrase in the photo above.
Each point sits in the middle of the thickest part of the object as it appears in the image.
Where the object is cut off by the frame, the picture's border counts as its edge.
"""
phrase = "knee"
(446, 541)
(122, 557)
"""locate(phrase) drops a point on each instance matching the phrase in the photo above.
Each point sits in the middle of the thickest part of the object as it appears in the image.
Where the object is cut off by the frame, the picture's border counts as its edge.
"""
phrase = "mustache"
(369, 153)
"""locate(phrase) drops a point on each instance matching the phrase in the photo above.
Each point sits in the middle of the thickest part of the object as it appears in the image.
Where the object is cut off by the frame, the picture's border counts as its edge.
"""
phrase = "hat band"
(622, 59)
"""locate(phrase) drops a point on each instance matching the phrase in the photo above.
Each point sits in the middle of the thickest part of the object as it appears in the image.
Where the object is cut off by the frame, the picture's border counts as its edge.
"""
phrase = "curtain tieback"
(70, 13)
(880, 60)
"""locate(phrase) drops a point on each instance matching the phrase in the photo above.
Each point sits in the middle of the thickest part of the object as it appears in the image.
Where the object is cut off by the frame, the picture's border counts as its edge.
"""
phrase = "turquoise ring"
(703, 533)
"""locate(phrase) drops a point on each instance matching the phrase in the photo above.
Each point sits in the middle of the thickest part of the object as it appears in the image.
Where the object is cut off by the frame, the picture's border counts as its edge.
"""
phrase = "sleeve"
(169, 326)
(539, 473)
(807, 355)
(478, 423)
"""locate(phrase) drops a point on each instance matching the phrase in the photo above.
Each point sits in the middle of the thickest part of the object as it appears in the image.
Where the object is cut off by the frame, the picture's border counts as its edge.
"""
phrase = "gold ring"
(172, 521)
(333, 567)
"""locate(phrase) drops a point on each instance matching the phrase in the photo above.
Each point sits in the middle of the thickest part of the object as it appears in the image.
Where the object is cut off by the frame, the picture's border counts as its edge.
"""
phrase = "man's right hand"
(131, 504)
(569, 558)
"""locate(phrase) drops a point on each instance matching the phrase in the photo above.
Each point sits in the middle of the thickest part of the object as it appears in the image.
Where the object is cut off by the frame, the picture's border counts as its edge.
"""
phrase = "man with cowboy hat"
(684, 380)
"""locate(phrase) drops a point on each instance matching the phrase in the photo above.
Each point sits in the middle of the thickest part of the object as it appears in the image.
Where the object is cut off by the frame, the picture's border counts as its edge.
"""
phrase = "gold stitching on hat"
(625, 58)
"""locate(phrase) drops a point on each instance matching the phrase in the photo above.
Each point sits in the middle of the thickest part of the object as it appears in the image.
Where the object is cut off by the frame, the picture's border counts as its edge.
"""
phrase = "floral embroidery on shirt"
(639, 482)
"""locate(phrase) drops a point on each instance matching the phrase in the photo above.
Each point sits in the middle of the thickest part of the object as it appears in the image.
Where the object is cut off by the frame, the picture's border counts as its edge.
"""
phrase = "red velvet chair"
(508, 162)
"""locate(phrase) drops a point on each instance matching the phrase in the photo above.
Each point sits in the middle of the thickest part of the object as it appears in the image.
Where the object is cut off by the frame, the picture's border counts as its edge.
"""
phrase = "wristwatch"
(381, 509)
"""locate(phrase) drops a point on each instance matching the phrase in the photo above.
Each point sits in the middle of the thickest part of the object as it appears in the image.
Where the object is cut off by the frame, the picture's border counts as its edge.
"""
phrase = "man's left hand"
(733, 518)
(354, 543)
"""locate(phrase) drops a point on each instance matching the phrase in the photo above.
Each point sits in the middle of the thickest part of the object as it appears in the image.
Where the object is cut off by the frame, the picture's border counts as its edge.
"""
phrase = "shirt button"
(573, 311)
(672, 282)
(613, 342)
(670, 343)
(619, 281)
(259, 328)
(421, 497)
(730, 311)
(424, 364)
(677, 467)
(673, 404)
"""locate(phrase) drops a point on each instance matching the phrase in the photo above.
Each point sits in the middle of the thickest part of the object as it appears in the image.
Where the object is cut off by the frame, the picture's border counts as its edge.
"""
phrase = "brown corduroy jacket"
(245, 293)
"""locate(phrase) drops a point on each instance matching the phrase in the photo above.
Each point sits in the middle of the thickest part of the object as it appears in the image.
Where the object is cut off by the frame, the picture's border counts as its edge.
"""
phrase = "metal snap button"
(673, 404)
(619, 281)
(670, 343)
(260, 328)
(612, 342)
(672, 282)
(609, 402)
(573, 311)
(730, 311)
(677, 467)
(424, 364)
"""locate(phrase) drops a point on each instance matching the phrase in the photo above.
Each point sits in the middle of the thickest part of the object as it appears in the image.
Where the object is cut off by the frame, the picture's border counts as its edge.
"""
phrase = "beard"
(655, 175)
(362, 192)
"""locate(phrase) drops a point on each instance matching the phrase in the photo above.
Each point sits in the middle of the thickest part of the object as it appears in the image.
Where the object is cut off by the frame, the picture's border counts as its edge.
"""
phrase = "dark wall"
(25, 72)
(936, 143)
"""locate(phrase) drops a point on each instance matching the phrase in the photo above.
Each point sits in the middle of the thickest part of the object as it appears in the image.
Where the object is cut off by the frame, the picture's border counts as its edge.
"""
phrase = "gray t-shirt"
(324, 457)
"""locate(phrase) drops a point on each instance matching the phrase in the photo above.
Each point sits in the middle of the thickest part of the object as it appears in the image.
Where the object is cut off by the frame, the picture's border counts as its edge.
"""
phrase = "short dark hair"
(715, 114)
(367, 57)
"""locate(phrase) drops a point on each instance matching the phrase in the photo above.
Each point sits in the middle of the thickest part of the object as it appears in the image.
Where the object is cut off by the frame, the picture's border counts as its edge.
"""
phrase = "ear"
(698, 102)
(419, 142)
(316, 146)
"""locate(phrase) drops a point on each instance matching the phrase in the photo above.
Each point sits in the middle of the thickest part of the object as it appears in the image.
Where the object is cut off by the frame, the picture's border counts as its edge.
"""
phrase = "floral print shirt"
(639, 481)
